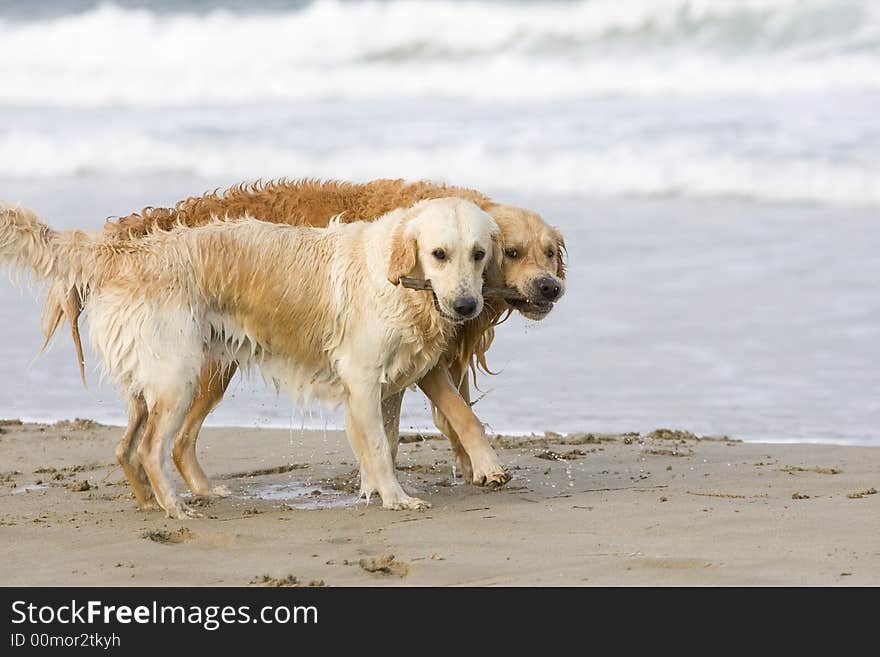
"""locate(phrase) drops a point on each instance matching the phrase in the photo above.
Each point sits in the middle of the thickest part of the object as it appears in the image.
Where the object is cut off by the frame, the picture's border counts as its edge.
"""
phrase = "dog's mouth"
(532, 309)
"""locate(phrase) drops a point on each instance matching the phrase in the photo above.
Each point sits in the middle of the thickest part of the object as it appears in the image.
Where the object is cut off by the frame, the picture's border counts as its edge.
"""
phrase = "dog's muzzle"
(547, 288)
(463, 307)
(543, 293)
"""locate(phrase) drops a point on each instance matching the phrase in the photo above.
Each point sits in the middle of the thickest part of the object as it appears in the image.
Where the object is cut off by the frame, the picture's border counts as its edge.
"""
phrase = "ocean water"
(713, 164)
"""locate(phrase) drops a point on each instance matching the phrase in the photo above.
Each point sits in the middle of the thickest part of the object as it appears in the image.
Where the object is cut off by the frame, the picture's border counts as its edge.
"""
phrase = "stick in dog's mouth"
(499, 292)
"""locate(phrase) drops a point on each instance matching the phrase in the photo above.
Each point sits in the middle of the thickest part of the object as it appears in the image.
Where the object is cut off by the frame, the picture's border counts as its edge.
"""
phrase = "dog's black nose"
(465, 306)
(548, 287)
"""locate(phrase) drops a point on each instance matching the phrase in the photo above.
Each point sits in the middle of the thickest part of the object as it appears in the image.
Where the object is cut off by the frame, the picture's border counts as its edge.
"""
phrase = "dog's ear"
(494, 268)
(561, 253)
(403, 253)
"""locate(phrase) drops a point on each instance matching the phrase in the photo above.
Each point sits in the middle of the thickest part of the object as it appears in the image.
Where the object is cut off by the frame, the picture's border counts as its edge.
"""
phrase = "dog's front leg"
(366, 432)
(439, 388)
(391, 421)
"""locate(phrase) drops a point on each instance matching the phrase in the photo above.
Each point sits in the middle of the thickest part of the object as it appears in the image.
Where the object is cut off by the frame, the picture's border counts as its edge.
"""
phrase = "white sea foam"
(481, 50)
(625, 171)
(764, 99)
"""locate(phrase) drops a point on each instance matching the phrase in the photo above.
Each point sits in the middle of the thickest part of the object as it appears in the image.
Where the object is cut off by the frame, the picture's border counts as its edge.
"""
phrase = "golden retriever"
(319, 311)
(533, 265)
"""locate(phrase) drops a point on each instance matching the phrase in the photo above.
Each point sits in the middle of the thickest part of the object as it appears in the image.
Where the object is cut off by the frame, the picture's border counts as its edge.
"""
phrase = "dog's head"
(533, 259)
(452, 243)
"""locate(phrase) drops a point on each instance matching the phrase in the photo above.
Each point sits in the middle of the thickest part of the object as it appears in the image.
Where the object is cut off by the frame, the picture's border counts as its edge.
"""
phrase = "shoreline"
(433, 433)
(592, 509)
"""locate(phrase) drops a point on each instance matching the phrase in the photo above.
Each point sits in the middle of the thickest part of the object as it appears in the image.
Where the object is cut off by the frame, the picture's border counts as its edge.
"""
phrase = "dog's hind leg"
(213, 381)
(127, 455)
(391, 421)
(366, 432)
(163, 424)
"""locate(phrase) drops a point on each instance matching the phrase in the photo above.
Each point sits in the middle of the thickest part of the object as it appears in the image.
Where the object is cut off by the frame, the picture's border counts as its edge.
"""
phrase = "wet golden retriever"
(318, 310)
(533, 265)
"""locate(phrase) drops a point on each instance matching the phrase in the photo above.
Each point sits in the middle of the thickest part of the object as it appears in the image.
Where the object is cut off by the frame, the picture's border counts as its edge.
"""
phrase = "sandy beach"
(665, 508)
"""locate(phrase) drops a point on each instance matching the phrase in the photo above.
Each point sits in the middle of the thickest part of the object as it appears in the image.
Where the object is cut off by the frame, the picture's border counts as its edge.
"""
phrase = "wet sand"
(657, 509)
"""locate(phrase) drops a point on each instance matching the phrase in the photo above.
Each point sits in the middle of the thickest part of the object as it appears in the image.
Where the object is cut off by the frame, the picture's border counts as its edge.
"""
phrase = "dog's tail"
(64, 302)
(27, 244)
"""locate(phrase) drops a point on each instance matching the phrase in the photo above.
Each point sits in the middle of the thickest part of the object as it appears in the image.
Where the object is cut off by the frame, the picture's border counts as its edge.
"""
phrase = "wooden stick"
(502, 292)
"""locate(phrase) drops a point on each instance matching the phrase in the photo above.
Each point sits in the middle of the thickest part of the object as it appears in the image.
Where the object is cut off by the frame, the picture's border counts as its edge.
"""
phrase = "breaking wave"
(496, 51)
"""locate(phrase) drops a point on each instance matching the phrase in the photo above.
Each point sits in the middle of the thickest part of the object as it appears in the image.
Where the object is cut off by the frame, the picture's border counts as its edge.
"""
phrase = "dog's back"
(280, 297)
(300, 202)
(244, 291)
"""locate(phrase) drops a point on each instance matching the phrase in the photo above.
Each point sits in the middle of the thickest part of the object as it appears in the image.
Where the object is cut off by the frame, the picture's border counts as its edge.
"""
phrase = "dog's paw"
(493, 479)
(181, 511)
(406, 503)
(367, 489)
(220, 491)
(150, 505)
(211, 491)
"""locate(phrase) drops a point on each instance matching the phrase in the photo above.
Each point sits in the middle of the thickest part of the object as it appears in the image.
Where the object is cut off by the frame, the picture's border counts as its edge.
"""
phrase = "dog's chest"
(410, 354)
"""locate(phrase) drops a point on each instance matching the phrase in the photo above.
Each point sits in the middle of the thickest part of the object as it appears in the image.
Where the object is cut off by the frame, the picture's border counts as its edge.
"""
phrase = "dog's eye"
(479, 255)
(440, 254)
(550, 253)
(512, 253)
